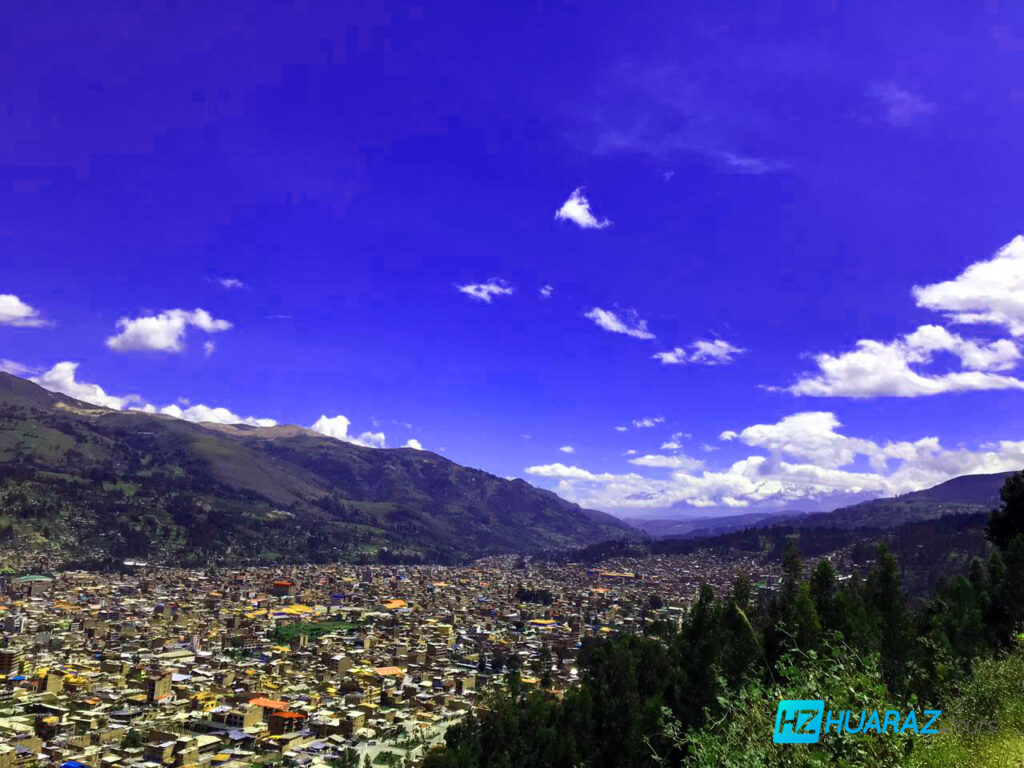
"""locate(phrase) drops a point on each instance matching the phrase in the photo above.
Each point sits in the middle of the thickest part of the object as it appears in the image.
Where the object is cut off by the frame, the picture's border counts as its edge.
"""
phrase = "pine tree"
(885, 599)
(1005, 524)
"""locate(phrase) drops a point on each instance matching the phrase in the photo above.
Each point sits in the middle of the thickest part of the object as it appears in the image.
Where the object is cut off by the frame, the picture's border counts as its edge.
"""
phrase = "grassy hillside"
(82, 482)
(968, 494)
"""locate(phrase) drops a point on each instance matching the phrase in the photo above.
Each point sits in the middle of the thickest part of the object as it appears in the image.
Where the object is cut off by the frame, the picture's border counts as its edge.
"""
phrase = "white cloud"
(567, 449)
(703, 352)
(209, 348)
(337, 427)
(678, 461)
(200, 413)
(875, 369)
(810, 436)
(15, 368)
(900, 107)
(546, 291)
(674, 356)
(14, 311)
(334, 426)
(630, 324)
(648, 421)
(561, 471)
(754, 166)
(671, 445)
(61, 378)
(577, 210)
(987, 292)
(714, 352)
(621, 428)
(922, 362)
(486, 291)
(370, 440)
(164, 332)
(803, 460)
(412, 442)
(231, 283)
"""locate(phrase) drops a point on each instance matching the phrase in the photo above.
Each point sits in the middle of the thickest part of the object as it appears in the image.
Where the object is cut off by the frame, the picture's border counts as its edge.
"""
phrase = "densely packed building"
(335, 665)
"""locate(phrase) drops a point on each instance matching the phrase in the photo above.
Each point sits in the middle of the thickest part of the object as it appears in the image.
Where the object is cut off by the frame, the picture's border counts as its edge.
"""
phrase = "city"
(235, 667)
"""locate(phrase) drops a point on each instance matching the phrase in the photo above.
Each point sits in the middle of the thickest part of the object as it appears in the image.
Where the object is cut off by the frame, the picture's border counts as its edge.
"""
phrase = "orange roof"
(395, 603)
(284, 583)
(268, 703)
(389, 671)
(289, 715)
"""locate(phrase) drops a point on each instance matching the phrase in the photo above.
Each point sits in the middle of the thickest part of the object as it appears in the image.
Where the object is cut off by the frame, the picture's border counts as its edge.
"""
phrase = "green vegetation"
(92, 487)
(706, 695)
(312, 629)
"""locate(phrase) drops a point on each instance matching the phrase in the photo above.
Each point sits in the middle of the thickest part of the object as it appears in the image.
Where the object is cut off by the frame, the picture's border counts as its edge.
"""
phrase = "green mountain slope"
(80, 482)
(967, 494)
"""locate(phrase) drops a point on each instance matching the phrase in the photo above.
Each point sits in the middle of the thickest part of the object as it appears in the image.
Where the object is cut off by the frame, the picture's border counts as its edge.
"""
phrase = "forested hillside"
(81, 483)
(706, 694)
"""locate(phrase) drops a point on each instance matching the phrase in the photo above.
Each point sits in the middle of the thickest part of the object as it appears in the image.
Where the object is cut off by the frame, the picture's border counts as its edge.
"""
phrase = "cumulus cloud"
(202, 413)
(810, 436)
(486, 291)
(674, 356)
(61, 378)
(567, 449)
(900, 107)
(898, 368)
(988, 292)
(164, 332)
(231, 283)
(562, 472)
(933, 360)
(15, 368)
(621, 428)
(677, 461)
(14, 311)
(803, 459)
(701, 352)
(630, 323)
(412, 442)
(337, 427)
(546, 291)
(648, 422)
(577, 210)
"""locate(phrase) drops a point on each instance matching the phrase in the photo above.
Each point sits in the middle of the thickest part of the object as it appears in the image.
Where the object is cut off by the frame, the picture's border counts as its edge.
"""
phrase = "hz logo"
(798, 721)
(802, 721)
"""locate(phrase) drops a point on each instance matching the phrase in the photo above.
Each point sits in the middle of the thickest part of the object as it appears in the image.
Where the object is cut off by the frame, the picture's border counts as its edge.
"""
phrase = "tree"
(1011, 589)
(823, 585)
(885, 598)
(1005, 524)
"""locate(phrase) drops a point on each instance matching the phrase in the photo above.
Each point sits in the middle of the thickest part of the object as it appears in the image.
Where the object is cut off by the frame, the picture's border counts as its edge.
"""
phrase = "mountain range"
(82, 483)
(967, 494)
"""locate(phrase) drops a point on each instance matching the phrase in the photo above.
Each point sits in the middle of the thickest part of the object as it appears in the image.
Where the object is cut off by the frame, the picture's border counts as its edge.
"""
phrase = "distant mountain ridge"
(967, 494)
(697, 527)
(86, 482)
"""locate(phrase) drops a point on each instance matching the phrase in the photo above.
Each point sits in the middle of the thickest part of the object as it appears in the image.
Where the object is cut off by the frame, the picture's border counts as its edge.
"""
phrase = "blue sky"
(505, 231)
